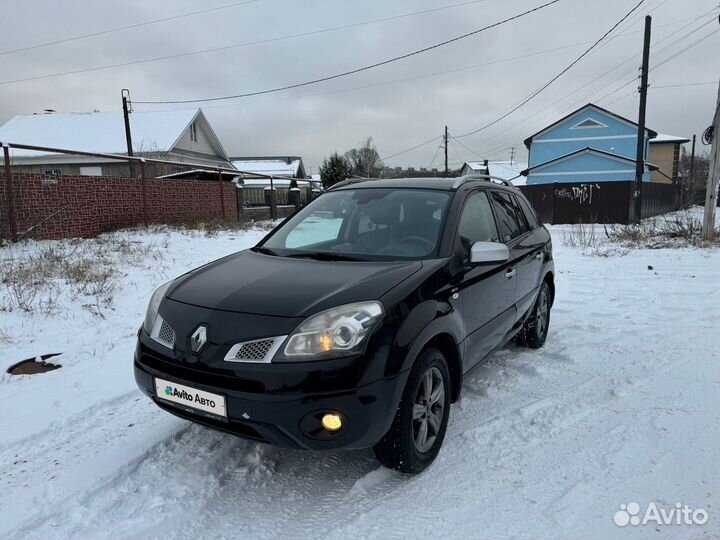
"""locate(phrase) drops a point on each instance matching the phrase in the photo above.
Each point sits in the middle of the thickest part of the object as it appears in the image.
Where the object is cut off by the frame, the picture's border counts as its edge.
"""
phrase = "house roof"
(501, 169)
(280, 165)
(584, 151)
(652, 134)
(665, 138)
(507, 170)
(101, 132)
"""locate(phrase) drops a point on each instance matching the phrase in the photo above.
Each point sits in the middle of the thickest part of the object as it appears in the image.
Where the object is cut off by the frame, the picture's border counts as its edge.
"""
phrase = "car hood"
(250, 282)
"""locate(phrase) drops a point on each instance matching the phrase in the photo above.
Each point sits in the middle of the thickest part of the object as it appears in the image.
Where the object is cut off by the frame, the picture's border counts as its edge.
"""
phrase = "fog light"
(332, 422)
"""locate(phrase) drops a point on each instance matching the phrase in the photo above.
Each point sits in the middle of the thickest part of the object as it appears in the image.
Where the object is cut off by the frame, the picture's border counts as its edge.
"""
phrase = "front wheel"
(419, 426)
(535, 329)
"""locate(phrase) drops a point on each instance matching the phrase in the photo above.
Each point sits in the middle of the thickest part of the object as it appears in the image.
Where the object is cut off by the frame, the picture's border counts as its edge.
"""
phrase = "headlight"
(335, 332)
(153, 306)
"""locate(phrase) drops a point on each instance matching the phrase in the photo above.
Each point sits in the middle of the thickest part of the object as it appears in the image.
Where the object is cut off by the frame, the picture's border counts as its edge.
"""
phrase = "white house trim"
(583, 110)
(570, 139)
(619, 171)
(572, 155)
(597, 124)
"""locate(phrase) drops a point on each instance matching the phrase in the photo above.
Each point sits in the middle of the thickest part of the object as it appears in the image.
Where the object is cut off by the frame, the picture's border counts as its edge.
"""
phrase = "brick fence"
(84, 206)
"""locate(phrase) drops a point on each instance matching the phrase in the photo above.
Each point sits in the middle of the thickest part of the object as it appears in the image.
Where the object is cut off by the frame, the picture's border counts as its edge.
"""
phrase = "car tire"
(535, 330)
(419, 426)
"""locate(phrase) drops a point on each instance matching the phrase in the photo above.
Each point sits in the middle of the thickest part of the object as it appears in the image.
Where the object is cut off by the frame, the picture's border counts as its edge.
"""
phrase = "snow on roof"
(156, 131)
(665, 138)
(476, 165)
(506, 170)
(270, 166)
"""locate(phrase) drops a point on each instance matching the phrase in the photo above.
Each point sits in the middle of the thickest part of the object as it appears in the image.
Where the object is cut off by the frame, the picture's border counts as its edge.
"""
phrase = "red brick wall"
(89, 205)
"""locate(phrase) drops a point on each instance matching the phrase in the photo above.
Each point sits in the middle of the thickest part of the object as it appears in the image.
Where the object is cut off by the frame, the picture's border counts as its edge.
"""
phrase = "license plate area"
(191, 399)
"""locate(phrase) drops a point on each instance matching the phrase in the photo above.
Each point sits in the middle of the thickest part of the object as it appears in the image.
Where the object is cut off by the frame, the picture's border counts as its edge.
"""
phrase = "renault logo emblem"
(198, 338)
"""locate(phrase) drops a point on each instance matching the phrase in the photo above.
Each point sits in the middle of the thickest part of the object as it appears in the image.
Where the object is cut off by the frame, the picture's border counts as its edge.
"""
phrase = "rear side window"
(510, 217)
(530, 214)
(477, 223)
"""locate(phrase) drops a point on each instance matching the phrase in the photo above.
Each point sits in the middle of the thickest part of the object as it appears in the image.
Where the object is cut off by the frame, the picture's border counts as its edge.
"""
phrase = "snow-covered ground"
(621, 405)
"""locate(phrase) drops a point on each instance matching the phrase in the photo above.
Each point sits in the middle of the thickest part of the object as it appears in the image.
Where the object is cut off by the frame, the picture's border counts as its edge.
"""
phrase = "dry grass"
(681, 229)
(215, 226)
(34, 280)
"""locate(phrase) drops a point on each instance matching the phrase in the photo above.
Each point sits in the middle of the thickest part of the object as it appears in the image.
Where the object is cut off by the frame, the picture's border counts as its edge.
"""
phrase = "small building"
(286, 166)
(593, 144)
(184, 135)
(507, 170)
(665, 155)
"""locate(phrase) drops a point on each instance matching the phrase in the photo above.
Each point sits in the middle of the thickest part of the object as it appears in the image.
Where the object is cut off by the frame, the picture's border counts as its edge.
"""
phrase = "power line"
(410, 149)
(682, 85)
(665, 48)
(357, 70)
(126, 27)
(239, 45)
(556, 77)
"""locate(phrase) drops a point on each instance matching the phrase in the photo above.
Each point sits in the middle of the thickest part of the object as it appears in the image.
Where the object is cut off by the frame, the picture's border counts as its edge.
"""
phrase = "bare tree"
(365, 160)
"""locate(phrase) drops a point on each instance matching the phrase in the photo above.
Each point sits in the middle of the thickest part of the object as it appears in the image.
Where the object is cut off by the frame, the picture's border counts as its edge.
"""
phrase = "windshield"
(364, 224)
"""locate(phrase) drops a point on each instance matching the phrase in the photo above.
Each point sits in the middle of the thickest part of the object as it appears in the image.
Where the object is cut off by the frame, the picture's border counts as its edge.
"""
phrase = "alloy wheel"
(428, 409)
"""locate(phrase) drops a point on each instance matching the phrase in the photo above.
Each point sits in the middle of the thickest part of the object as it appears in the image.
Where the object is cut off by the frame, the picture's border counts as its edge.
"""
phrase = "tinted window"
(530, 214)
(369, 223)
(477, 223)
(512, 222)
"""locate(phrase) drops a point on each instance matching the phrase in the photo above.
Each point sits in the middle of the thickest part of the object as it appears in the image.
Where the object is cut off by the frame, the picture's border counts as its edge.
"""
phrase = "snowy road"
(621, 405)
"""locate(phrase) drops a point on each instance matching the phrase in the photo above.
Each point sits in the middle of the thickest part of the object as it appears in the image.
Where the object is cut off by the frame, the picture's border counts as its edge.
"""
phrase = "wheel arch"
(445, 343)
(549, 278)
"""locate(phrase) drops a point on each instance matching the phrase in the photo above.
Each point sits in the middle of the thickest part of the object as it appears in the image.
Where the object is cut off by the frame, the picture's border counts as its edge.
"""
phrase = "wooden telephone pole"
(445, 140)
(711, 195)
(125, 93)
(640, 156)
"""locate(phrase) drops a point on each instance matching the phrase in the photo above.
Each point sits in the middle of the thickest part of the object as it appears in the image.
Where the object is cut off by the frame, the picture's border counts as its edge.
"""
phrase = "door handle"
(510, 273)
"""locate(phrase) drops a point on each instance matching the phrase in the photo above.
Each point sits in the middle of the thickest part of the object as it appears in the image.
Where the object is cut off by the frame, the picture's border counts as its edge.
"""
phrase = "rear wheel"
(419, 426)
(536, 326)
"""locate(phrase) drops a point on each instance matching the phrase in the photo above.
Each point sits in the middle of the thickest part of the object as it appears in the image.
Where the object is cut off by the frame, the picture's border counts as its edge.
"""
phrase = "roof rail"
(487, 177)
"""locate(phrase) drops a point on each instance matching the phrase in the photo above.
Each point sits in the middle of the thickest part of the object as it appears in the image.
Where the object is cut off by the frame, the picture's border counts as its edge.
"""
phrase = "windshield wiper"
(264, 251)
(324, 256)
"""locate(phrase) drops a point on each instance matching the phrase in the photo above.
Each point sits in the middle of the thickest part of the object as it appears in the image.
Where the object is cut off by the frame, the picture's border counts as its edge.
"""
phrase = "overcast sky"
(484, 75)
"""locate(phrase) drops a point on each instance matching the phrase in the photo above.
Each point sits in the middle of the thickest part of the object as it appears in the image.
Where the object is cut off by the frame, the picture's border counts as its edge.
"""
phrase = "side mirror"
(489, 252)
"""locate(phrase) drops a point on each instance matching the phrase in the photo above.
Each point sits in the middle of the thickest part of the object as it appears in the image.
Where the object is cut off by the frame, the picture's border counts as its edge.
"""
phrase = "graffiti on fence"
(582, 194)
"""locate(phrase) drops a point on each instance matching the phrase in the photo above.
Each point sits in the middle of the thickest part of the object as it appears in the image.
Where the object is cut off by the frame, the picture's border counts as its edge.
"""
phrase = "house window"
(193, 132)
(589, 123)
(90, 171)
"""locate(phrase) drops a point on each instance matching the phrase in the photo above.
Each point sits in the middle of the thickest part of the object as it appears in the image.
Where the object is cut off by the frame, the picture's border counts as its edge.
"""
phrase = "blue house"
(591, 144)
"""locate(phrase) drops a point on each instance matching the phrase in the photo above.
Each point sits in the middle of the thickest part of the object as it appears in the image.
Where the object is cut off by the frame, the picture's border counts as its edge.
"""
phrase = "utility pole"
(512, 155)
(691, 182)
(640, 156)
(445, 139)
(125, 93)
(713, 178)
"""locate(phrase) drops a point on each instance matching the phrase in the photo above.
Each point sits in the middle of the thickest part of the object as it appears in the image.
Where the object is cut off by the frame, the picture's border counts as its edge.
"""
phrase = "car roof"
(439, 183)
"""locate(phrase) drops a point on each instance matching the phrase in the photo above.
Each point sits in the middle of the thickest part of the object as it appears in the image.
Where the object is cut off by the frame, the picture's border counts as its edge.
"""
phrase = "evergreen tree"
(334, 169)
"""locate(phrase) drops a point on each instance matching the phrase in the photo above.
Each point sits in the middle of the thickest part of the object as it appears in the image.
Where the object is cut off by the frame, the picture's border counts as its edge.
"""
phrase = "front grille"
(166, 334)
(259, 350)
(255, 350)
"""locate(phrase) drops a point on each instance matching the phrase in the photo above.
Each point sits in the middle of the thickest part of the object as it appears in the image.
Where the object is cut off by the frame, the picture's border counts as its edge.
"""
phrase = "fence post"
(12, 223)
(273, 204)
(144, 192)
(240, 196)
(222, 196)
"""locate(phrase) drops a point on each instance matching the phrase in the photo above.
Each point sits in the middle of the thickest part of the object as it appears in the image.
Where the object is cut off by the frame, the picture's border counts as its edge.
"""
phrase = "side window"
(512, 222)
(530, 214)
(477, 223)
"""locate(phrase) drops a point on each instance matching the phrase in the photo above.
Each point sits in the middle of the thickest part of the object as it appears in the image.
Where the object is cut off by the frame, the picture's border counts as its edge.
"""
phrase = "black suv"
(353, 323)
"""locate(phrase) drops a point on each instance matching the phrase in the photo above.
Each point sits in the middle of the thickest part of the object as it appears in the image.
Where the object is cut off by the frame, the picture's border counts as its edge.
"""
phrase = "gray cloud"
(336, 115)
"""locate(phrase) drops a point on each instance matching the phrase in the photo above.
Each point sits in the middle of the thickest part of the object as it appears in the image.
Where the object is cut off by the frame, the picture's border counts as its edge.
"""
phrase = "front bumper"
(291, 421)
